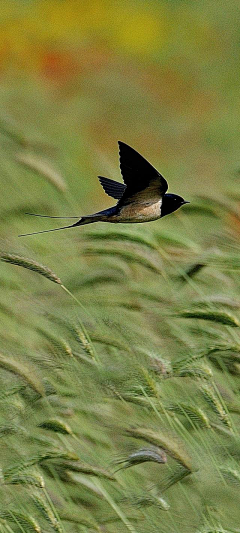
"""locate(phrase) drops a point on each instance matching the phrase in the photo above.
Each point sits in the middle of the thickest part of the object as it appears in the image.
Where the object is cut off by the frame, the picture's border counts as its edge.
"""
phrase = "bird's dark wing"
(112, 188)
(143, 182)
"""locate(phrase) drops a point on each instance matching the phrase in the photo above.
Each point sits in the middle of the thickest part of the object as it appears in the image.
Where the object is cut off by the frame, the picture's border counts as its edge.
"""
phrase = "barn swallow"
(141, 198)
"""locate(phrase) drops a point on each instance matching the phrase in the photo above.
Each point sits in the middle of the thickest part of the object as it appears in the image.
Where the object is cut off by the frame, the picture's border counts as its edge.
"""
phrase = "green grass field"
(119, 365)
(120, 344)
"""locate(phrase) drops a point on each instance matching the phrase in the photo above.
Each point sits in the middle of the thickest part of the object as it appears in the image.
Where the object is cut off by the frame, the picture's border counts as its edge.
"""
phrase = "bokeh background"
(135, 353)
(162, 76)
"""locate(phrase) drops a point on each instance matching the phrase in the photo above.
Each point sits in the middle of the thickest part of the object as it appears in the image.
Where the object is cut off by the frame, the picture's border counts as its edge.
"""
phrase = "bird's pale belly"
(138, 213)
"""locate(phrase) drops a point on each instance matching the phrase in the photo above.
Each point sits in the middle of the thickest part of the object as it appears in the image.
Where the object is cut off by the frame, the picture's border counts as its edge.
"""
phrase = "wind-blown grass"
(43, 168)
(119, 400)
(30, 265)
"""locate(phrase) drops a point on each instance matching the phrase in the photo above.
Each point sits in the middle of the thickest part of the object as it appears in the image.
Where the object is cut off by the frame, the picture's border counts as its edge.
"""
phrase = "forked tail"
(81, 222)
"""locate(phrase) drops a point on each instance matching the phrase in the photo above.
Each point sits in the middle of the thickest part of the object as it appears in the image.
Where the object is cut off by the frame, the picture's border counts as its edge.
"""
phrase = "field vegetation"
(120, 345)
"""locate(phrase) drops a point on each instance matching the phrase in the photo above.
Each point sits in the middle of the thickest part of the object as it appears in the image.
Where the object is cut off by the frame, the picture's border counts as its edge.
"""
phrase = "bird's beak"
(186, 202)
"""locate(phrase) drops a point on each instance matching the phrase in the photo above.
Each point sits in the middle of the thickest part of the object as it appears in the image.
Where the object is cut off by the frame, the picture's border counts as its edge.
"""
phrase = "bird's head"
(170, 203)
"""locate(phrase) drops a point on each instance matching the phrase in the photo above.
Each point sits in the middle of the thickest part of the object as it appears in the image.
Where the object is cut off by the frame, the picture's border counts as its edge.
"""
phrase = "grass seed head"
(57, 425)
(220, 317)
(30, 265)
(143, 455)
(25, 522)
(44, 508)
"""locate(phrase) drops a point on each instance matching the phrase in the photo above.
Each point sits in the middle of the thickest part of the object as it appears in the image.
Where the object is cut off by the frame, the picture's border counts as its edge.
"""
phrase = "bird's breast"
(139, 212)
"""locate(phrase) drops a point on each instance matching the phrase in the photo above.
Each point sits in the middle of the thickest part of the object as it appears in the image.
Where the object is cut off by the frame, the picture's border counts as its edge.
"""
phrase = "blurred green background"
(135, 353)
(162, 76)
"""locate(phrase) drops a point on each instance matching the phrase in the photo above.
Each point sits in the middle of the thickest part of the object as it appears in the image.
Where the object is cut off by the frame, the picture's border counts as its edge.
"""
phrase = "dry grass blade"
(171, 447)
(30, 265)
(42, 167)
(29, 376)
(221, 317)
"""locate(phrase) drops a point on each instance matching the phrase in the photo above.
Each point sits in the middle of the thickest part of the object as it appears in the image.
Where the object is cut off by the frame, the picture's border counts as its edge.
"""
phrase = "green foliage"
(119, 385)
(113, 404)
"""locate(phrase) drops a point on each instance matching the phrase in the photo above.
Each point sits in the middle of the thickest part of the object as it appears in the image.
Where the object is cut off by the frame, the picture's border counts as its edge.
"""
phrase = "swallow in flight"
(141, 198)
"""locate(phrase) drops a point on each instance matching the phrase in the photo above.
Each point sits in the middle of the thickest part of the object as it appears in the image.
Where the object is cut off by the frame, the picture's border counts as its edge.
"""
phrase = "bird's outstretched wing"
(143, 182)
(112, 188)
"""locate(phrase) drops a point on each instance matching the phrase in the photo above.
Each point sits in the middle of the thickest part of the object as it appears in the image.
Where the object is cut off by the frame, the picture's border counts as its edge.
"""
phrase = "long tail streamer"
(48, 230)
